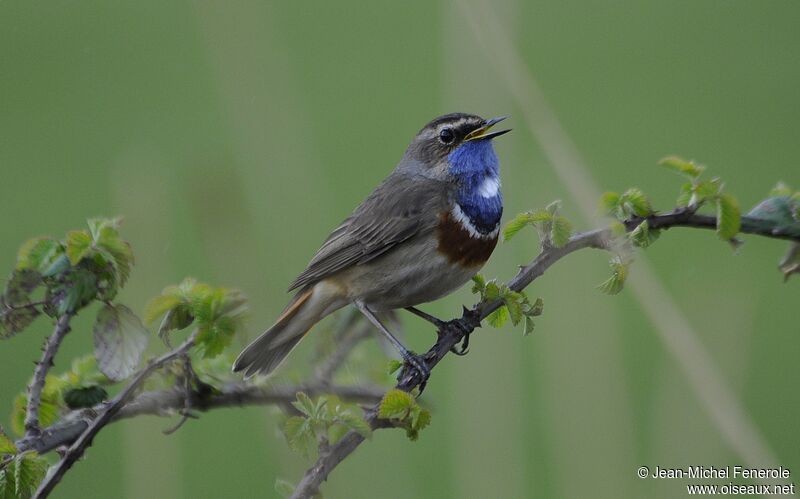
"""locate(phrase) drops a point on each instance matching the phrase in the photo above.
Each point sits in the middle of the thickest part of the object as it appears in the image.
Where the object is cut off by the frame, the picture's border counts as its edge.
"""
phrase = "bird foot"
(415, 365)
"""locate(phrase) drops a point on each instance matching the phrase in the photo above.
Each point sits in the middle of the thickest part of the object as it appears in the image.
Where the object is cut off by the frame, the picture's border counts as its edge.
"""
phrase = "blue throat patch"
(472, 163)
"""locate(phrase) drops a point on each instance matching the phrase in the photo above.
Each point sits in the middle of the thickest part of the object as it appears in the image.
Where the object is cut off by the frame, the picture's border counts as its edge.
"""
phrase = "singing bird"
(422, 233)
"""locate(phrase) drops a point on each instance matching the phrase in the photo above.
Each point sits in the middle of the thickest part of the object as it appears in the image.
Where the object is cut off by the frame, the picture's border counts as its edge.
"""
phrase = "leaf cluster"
(216, 313)
(554, 229)
(403, 410)
(21, 473)
(81, 386)
(516, 304)
(321, 422)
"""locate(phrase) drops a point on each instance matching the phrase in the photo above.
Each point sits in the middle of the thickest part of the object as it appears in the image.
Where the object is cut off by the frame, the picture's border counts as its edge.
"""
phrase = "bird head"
(454, 146)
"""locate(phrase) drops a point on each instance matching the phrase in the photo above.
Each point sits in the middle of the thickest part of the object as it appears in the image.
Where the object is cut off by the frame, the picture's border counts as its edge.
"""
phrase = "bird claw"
(418, 366)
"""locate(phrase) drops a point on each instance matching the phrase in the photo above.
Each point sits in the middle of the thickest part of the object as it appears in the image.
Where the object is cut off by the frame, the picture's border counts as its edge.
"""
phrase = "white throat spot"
(465, 222)
(489, 188)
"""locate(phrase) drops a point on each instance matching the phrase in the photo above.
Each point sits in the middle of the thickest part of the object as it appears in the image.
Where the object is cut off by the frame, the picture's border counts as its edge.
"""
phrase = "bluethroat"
(421, 234)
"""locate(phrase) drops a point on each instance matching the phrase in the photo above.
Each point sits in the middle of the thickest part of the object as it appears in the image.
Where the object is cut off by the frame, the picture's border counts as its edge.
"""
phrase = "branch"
(683, 217)
(451, 333)
(40, 374)
(449, 336)
(77, 449)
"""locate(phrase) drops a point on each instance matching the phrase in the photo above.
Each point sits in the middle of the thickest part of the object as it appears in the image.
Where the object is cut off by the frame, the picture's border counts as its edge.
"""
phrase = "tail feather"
(267, 351)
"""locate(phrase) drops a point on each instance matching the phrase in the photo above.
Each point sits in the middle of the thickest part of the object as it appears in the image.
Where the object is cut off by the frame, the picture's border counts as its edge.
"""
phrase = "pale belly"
(413, 273)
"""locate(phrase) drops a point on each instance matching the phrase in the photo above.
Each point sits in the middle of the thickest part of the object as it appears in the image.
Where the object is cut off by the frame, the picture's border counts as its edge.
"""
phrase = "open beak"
(484, 133)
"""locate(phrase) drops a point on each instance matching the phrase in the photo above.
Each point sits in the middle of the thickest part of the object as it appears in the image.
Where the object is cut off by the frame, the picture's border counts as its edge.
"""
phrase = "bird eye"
(447, 136)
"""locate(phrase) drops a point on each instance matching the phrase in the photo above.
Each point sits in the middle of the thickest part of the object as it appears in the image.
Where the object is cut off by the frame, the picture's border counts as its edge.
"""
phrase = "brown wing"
(398, 209)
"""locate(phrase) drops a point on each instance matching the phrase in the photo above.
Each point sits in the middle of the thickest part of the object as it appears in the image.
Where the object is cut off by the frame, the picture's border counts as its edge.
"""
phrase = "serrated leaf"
(119, 340)
(492, 291)
(609, 203)
(729, 219)
(536, 309)
(357, 424)
(634, 202)
(615, 283)
(523, 219)
(528, 326)
(305, 405)
(683, 167)
(284, 488)
(49, 405)
(560, 231)
(642, 236)
(300, 434)
(514, 310)
(120, 252)
(498, 318)
(478, 284)
(30, 470)
(78, 245)
(396, 404)
(38, 253)
(420, 420)
(707, 190)
(6, 445)
(159, 306)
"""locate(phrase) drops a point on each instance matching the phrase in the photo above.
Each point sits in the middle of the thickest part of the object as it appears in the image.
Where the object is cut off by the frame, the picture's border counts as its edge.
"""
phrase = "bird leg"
(416, 362)
(441, 326)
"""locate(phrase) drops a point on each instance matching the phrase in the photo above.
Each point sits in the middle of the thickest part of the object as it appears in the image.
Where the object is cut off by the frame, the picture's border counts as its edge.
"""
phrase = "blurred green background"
(233, 136)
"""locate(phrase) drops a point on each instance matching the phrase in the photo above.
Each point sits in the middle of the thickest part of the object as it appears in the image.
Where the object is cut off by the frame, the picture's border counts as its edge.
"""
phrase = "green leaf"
(609, 203)
(89, 396)
(119, 340)
(780, 190)
(685, 196)
(708, 189)
(560, 231)
(59, 264)
(38, 253)
(357, 424)
(683, 167)
(29, 471)
(78, 245)
(634, 202)
(478, 284)
(6, 445)
(159, 306)
(49, 405)
(420, 420)
(536, 309)
(498, 318)
(514, 307)
(284, 488)
(492, 291)
(108, 241)
(305, 405)
(642, 236)
(19, 286)
(790, 263)
(396, 404)
(528, 326)
(300, 434)
(394, 365)
(615, 283)
(73, 290)
(523, 219)
(728, 216)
